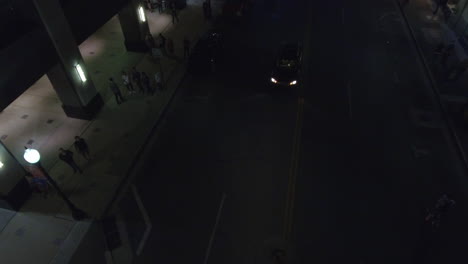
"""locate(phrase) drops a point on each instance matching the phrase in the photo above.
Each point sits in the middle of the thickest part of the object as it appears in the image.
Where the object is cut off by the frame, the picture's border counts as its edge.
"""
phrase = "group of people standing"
(162, 5)
(133, 79)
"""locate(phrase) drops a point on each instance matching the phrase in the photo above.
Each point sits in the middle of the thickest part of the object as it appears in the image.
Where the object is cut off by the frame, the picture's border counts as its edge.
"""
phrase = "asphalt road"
(328, 172)
(364, 185)
(226, 143)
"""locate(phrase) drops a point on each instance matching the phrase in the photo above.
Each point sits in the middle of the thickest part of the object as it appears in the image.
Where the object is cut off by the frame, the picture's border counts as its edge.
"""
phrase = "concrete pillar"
(80, 99)
(133, 28)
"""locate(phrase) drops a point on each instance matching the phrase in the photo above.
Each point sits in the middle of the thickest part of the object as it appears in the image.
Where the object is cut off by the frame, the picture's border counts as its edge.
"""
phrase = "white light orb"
(32, 156)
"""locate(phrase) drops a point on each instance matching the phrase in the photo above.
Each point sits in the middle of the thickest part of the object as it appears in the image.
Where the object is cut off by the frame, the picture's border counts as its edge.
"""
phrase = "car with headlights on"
(286, 71)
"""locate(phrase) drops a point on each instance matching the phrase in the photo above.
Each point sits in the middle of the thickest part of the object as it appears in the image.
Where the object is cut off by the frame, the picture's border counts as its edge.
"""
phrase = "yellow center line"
(293, 170)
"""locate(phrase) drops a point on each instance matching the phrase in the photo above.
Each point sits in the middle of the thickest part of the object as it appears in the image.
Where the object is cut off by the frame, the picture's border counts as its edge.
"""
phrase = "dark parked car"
(206, 54)
(286, 71)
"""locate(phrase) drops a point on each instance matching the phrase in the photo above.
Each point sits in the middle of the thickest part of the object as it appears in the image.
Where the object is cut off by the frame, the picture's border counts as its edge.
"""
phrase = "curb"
(141, 149)
(434, 87)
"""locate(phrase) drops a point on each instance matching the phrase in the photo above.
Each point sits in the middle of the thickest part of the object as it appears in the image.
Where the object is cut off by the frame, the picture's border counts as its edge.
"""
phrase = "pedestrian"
(158, 80)
(162, 42)
(444, 203)
(170, 46)
(39, 184)
(439, 49)
(67, 157)
(205, 9)
(439, 4)
(146, 82)
(174, 14)
(127, 83)
(153, 4)
(213, 65)
(149, 40)
(186, 47)
(136, 77)
(147, 4)
(278, 256)
(456, 71)
(160, 6)
(447, 51)
(82, 147)
(208, 9)
(115, 89)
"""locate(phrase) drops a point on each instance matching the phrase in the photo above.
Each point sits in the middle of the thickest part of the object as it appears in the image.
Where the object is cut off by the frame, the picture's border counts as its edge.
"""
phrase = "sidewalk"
(36, 233)
(431, 30)
(445, 245)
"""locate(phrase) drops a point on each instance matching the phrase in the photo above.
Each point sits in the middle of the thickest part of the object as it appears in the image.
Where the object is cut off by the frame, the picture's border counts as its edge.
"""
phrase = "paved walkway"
(446, 245)
(431, 30)
(36, 233)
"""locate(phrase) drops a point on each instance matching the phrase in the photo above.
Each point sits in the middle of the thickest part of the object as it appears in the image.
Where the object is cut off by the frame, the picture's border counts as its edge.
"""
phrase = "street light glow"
(1, 164)
(32, 156)
(141, 13)
(81, 73)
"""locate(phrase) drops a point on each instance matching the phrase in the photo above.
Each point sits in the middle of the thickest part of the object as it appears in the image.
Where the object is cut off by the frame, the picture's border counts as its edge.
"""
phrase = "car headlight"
(273, 80)
(293, 82)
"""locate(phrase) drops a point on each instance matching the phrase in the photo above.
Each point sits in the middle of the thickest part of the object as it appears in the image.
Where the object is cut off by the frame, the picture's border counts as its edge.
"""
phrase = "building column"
(134, 26)
(79, 97)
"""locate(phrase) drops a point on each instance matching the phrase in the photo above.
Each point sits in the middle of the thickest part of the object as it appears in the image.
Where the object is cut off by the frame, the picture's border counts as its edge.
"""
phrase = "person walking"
(439, 5)
(82, 147)
(115, 89)
(186, 47)
(153, 4)
(205, 9)
(446, 53)
(434, 215)
(160, 6)
(149, 40)
(174, 14)
(158, 80)
(439, 49)
(208, 9)
(162, 42)
(146, 82)
(39, 184)
(170, 47)
(456, 71)
(136, 77)
(67, 157)
(127, 83)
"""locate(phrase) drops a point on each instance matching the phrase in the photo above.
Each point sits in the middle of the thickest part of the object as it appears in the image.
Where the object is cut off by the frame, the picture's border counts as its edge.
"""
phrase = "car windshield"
(285, 63)
(287, 57)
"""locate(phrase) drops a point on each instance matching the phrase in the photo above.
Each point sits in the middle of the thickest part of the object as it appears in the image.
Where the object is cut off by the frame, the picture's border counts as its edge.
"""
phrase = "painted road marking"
(213, 233)
(146, 218)
(293, 171)
(348, 88)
